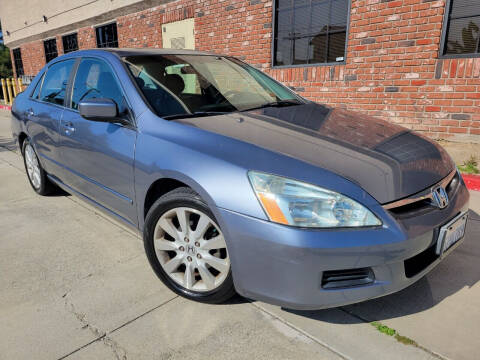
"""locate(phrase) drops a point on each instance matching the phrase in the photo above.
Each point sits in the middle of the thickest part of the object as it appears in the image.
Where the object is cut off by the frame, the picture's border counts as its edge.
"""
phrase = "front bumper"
(284, 265)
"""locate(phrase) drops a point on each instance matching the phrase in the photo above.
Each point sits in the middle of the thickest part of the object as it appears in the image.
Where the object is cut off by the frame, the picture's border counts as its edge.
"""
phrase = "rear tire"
(37, 177)
(190, 256)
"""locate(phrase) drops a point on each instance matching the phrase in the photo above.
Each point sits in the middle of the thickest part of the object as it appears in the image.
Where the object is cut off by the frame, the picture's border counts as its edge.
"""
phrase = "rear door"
(99, 156)
(44, 112)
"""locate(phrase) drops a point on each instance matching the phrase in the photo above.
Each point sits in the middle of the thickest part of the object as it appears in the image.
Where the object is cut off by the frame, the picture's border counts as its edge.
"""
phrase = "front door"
(99, 156)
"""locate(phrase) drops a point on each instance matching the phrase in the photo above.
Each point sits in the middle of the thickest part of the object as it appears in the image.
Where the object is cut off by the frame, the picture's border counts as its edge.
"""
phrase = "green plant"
(384, 329)
(470, 166)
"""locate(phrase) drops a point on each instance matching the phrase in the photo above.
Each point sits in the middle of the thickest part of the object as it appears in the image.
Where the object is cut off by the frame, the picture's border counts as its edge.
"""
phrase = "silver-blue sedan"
(237, 183)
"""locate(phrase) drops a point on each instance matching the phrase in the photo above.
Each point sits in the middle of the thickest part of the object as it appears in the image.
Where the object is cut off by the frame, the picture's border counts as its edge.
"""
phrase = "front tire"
(186, 248)
(35, 173)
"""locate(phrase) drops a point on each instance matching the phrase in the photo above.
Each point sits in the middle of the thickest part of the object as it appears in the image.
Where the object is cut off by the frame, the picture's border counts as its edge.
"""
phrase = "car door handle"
(68, 127)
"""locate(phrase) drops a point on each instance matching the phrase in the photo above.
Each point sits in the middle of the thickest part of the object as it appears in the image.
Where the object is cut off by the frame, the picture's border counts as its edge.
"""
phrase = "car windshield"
(194, 85)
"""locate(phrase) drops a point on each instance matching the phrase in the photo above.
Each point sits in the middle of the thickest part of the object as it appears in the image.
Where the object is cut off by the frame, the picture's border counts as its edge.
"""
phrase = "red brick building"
(414, 62)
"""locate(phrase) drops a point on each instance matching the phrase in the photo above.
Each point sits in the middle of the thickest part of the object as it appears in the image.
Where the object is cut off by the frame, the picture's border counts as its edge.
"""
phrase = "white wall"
(23, 18)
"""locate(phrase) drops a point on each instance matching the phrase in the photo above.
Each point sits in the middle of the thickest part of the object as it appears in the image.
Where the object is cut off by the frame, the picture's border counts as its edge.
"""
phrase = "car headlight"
(296, 203)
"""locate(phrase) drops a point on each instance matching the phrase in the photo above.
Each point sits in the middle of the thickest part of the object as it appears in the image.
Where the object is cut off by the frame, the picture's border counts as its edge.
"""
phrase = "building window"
(70, 43)
(50, 49)
(310, 31)
(17, 59)
(107, 36)
(463, 28)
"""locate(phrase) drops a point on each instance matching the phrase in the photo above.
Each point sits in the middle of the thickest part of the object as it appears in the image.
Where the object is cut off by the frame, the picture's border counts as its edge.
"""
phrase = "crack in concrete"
(119, 352)
(367, 321)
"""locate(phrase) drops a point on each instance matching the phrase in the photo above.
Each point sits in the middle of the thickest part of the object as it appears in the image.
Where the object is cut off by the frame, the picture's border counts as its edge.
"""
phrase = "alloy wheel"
(33, 167)
(191, 249)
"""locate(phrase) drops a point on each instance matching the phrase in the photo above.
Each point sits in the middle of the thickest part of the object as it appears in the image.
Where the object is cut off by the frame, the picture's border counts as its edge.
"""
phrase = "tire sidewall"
(42, 189)
(165, 203)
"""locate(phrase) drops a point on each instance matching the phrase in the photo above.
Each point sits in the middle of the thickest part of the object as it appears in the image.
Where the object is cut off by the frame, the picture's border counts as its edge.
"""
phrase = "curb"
(472, 181)
(5, 107)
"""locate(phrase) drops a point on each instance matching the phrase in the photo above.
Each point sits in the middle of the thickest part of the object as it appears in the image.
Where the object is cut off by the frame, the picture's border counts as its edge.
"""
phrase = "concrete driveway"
(75, 284)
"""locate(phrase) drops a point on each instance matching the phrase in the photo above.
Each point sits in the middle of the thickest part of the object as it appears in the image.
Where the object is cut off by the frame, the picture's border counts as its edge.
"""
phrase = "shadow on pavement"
(460, 269)
(7, 144)
(58, 192)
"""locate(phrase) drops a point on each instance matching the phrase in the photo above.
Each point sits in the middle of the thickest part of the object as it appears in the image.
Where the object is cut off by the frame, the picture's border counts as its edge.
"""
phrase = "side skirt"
(90, 201)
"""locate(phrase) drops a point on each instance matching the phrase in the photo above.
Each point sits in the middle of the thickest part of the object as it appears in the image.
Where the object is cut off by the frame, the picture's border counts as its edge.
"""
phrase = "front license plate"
(451, 233)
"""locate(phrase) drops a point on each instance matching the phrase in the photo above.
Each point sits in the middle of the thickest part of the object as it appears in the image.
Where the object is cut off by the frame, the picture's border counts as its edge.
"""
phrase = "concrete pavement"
(77, 285)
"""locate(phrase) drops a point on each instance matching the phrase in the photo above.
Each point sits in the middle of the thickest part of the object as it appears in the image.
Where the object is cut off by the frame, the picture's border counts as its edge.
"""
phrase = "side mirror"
(98, 109)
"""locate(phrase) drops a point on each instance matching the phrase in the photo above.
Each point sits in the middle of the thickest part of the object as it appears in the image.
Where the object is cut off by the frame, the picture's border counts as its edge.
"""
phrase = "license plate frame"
(451, 233)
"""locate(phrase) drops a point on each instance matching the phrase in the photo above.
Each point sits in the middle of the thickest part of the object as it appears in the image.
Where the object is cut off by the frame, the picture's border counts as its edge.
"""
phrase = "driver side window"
(95, 79)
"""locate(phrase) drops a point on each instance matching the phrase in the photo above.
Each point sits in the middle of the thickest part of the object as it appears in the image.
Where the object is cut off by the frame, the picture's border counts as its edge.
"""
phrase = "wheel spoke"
(217, 263)
(36, 174)
(206, 275)
(202, 227)
(172, 265)
(33, 166)
(165, 245)
(193, 267)
(189, 276)
(218, 242)
(169, 228)
(28, 155)
(183, 221)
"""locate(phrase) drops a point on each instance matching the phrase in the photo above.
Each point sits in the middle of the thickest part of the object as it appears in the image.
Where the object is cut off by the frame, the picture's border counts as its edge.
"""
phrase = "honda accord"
(237, 183)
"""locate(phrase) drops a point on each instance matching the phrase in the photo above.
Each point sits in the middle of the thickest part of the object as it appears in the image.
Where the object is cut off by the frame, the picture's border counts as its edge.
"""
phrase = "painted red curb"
(5, 107)
(472, 181)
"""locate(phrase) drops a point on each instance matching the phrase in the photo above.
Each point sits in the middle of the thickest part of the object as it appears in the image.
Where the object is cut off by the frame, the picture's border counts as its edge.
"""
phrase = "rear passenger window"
(55, 84)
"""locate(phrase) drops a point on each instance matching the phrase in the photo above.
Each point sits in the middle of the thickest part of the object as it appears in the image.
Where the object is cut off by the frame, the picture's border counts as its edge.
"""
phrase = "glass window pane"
(318, 45)
(339, 14)
(107, 36)
(284, 3)
(336, 44)
(94, 79)
(70, 43)
(320, 16)
(17, 58)
(284, 21)
(312, 31)
(302, 50)
(462, 8)
(55, 83)
(50, 47)
(463, 36)
(283, 51)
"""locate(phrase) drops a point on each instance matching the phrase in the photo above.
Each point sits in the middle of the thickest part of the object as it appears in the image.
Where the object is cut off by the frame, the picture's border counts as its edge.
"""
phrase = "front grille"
(414, 209)
(423, 206)
(415, 265)
(341, 279)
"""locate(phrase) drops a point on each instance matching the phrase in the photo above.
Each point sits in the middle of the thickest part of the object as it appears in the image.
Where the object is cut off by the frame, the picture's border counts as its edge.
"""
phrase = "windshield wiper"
(279, 103)
(193, 115)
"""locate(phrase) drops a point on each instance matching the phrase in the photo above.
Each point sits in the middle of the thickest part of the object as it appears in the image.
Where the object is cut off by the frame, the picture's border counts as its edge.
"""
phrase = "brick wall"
(393, 71)
(392, 67)
(33, 57)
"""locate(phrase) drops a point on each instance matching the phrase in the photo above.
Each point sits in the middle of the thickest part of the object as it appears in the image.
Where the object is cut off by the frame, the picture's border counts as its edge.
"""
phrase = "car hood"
(386, 160)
